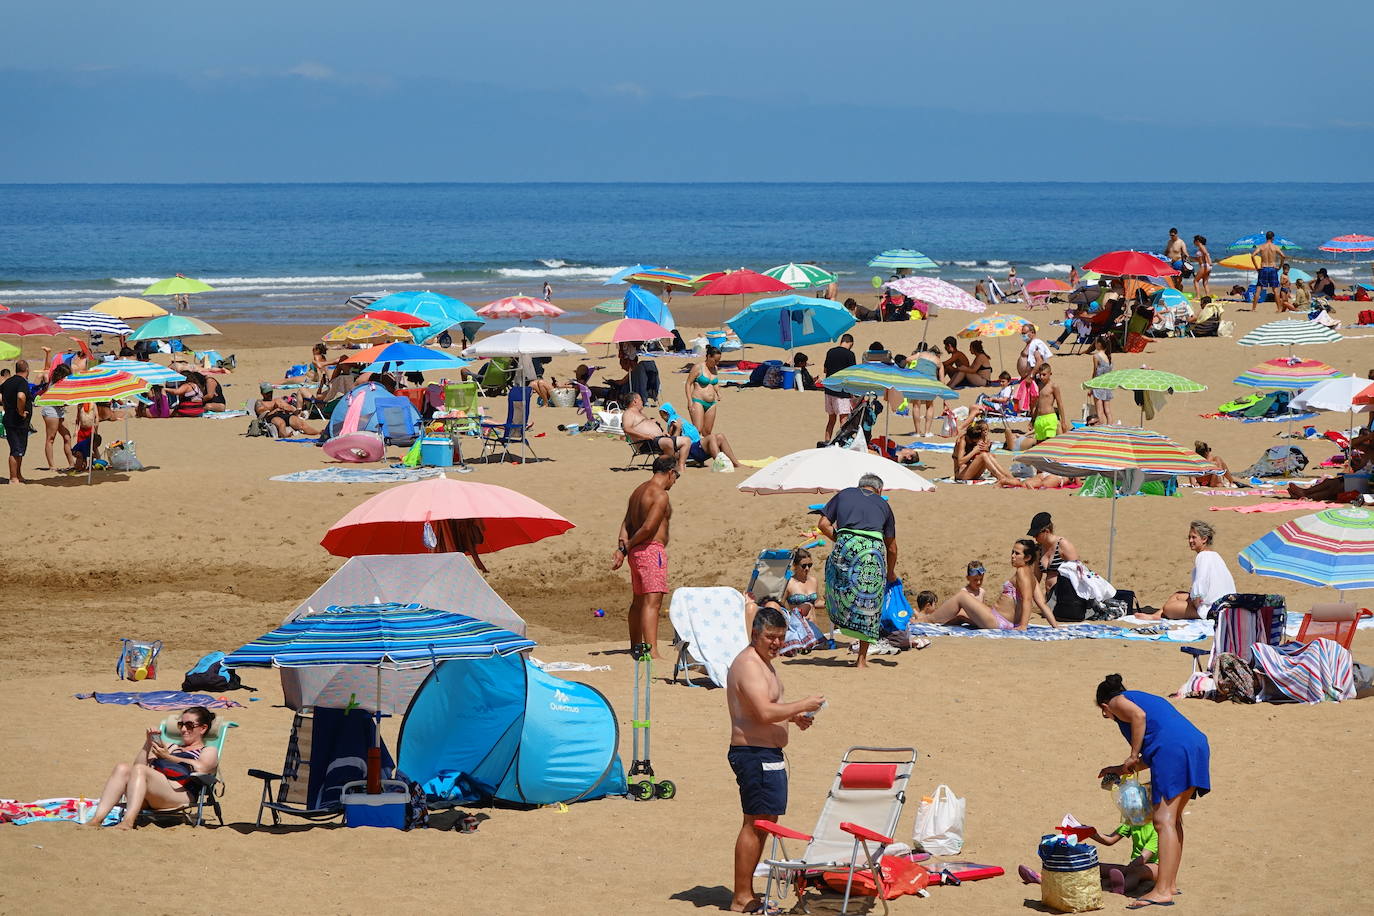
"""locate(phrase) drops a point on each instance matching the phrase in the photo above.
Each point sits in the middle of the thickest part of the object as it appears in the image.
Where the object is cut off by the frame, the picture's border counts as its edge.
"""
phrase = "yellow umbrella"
(1238, 262)
(366, 331)
(128, 307)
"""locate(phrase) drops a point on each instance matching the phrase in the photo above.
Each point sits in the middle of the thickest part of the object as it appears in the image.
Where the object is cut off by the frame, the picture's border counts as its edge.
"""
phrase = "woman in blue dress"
(1177, 756)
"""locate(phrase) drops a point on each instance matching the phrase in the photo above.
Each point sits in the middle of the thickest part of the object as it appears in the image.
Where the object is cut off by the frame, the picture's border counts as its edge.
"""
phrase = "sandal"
(920, 642)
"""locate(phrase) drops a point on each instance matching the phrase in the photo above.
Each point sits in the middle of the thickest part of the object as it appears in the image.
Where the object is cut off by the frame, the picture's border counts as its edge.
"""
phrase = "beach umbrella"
(150, 372)
(701, 280)
(1047, 285)
(26, 324)
(1289, 333)
(1144, 380)
(1356, 243)
(1130, 264)
(620, 275)
(1366, 396)
(1257, 239)
(413, 518)
(400, 319)
(95, 386)
(1333, 548)
(1122, 453)
(801, 276)
(610, 307)
(660, 276)
(523, 341)
(627, 330)
(363, 301)
(1288, 373)
(645, 306)
(405, 357)
(741, 283)
(873, 378)
(520, 308)
(1334, 394)
(440, 312)
(829, 470)
(393, 639)
(127, 307)
(8, 350)
(169, 326)
(903, 258)
(936, 292)
(92, 322)
(177, 286)
(1247, 262)
(365, 331)
(791, 321)
(997, 326)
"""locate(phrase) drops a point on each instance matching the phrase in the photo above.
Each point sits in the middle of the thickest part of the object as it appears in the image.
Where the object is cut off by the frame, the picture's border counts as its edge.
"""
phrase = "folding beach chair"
(708, 630)
(642, 452)
(204, 788)
(327, 749)
(514, 431)
(1336, 622)
(399, 420)
(858, 821)
(497, 376)
(1241, 621)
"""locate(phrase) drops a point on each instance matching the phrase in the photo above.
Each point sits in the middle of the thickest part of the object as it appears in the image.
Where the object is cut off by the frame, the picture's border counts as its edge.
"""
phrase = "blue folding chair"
(399, 420)
(512, 432)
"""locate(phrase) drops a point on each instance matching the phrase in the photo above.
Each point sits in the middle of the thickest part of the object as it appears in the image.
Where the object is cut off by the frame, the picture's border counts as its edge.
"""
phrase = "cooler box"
(716, 339)
(436, 452)
(385, 810)
(789, 378)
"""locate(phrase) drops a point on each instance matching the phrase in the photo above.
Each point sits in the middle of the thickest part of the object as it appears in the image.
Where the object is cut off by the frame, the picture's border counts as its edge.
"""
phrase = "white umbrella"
(524, 344)
(829, 470)
(1334, 394)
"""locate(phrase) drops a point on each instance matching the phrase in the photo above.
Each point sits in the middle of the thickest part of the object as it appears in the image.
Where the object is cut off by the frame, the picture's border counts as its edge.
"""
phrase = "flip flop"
(1140, 903)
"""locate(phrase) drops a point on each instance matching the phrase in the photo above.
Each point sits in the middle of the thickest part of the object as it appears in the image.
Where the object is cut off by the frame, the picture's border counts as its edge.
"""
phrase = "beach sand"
(203, 552)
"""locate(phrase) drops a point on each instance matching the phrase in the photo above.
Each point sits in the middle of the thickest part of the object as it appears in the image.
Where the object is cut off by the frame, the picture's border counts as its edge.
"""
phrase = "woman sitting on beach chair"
(161, 775)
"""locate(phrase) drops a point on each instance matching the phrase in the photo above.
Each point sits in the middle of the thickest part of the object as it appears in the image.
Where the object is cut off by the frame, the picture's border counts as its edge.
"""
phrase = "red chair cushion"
(868, 776)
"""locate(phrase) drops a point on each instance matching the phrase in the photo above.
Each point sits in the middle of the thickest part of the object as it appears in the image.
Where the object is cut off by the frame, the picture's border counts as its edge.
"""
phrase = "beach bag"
(896, 614)
(212, 675)
(901, 876)
(122, 457)
(1278, 461)
(412, 457)
(1069, 880)
(772, 377)
(260, 427)
(1235, 680)
(940, 823)
(138, 660)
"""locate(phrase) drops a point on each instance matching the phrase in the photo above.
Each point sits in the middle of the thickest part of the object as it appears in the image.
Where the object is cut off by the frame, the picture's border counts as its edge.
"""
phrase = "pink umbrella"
(22, 324)
(627, 330)
(936, 292)
(1047, 285)
(442, 515)
(520, 307)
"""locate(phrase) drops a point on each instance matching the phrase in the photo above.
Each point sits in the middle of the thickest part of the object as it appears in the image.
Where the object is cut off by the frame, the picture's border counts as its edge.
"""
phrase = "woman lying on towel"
(1020, 595)
(159, 775)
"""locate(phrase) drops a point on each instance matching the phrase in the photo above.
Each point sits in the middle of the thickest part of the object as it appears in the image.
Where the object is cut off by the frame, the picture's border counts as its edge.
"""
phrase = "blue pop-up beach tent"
(370, 420)
(500, 728)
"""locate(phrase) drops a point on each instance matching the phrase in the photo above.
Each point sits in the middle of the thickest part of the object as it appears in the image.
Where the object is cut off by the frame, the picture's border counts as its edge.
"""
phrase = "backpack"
(260, 427)
(1235, 680)
(211, 675)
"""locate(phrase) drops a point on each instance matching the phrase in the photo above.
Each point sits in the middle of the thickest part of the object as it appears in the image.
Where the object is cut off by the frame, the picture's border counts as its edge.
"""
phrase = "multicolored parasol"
(936, 292)
(151, 372)
(92, 387)
(1333, 548)
(997, 325)
(1286, 373)
(366, 331)
(627, 330)
(1349, 243)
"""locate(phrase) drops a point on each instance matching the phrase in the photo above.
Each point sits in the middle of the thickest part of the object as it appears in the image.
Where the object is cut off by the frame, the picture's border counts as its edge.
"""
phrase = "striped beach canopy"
(1286, 373)
(801, 276)
(1144, 380)
(1349, 243)
(1257, 239)
(150, 372)
(1289, 332)
(897, 258)
(610, 307)
(661, 276)
(875, 378)
(93, 322)
(1333, 548)
(97, 385)
(1112, 450)
(993, 326)
(936, 292)
(378, 635)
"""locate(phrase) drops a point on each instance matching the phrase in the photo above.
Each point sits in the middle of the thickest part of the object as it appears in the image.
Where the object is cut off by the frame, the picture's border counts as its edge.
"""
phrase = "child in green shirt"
(1124, 879)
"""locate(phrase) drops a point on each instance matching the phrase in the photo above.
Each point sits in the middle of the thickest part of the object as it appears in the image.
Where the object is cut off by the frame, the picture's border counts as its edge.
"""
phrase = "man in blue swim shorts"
(1268, 258)
(758, 733)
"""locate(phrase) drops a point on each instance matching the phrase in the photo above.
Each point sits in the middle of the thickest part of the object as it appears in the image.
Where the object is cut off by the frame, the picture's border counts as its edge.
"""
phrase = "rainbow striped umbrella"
(1286, 373)
(1333, 548)
(151, 372)
(661, 276)
(1118, 452)
(1349, 243)
(366, 331)
(97, 385)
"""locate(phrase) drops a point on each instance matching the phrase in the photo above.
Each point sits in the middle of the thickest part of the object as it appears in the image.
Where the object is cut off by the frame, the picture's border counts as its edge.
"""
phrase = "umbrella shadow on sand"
(824, 661)
(79, 480)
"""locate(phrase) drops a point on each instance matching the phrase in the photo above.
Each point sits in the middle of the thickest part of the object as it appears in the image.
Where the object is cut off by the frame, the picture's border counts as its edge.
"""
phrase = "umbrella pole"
(1111, 534)
(374, 753)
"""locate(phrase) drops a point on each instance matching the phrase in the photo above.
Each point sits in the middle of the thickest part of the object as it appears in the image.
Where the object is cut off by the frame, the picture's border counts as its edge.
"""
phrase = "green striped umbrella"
(1289, 333)
(610, 307)
(801, 276)
(897, 258)
(1144, 380)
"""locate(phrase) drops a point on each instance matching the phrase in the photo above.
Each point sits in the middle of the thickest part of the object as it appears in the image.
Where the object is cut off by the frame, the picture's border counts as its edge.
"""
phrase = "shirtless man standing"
(758, 733)
(641, 428)
(643, 541)
(1049, 405)
(1176, 251)
(1268, 258)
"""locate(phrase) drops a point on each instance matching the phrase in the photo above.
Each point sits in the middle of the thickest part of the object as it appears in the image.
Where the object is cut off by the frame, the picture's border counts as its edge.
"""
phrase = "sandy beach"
(203, 552)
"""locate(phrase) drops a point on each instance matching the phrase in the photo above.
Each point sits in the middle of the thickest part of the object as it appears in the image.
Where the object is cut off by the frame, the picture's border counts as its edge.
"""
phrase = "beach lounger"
(205, 788)
(497, 376)
(1336, 622)
(857, 822)
(1241, 621)
(709, 631)
(326, 750)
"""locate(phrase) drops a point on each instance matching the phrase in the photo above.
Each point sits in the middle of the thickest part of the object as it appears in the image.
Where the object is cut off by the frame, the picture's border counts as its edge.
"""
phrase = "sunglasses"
(187, 724)
(806, 565)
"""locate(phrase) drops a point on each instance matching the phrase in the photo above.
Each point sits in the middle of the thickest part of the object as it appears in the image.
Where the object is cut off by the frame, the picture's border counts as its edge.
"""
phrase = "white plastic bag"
(940, 823)
(722, 464)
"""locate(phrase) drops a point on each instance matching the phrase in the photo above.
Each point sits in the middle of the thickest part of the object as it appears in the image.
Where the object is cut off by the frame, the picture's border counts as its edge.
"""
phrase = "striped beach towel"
(1308, 672)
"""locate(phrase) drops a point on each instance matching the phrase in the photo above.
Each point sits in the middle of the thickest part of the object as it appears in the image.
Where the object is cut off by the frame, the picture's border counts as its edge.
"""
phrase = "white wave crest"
(997, 263)
(966, 263)
(553, 262)
(1052, 268)
(593, 273)
(268, 282)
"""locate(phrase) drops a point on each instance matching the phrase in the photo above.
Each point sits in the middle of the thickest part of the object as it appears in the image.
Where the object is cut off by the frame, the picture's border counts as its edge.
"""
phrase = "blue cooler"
(716, 339)
(385, 810)
(789, 378)
(436, 452)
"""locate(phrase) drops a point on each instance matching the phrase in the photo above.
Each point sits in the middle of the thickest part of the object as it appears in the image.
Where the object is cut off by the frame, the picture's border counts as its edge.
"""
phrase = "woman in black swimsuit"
(1055, 551)
(159, 774)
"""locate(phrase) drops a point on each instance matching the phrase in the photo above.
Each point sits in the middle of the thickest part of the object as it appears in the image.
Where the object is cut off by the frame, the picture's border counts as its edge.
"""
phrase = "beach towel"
(359, 475)
(159, 699)
(53, 809)
(1281, 505)
(1307, 672)
(224, 414)
(1157, 631)
(711, 622)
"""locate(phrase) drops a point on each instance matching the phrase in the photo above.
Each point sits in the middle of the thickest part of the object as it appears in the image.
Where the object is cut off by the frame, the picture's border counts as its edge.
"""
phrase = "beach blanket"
(711, 622)
(52, 810)
(300, 440)
(1157, 631)
(1308, 673)
(1280, 505)
(224, 414)
(159, 699)
(359, 475)
(1282, 418)
(757, 462)
(567, 666)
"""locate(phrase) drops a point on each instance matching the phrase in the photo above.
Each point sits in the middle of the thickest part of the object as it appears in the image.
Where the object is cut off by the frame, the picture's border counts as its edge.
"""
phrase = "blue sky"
(750, 89)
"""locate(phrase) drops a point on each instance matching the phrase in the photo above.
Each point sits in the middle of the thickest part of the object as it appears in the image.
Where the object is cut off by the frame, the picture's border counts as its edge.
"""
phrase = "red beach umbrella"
(1130, 264)
(400, 319)
(24, 324)
(740, 283)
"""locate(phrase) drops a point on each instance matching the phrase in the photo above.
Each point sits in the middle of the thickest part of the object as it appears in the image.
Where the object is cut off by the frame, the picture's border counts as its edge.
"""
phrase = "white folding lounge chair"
(709, 628)
(858, 821)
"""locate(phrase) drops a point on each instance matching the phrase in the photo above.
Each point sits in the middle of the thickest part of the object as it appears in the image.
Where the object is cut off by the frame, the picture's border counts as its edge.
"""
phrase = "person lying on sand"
(1020, 595)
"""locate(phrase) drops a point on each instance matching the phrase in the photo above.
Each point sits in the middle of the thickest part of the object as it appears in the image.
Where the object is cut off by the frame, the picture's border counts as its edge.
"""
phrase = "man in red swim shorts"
(644, 542)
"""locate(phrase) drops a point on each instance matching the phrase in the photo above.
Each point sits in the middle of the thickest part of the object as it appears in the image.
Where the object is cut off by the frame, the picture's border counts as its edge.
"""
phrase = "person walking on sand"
(1267, 258)
(1176, 252)
(548, 292)
(837, 404)
(1203, 270)
(17, 402)
(758, 733)
(860, 524)
(643, 541)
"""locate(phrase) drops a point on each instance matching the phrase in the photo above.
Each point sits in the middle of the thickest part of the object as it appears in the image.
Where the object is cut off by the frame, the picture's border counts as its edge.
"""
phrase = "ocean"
(295, 252)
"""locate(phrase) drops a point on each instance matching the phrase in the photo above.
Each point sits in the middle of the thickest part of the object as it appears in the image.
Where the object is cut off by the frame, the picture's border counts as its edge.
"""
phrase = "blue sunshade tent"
(501, 728)
(442, 312)
(370, 419)
(1257, 239)
(791, 321)
(642, 304)
(897, 258)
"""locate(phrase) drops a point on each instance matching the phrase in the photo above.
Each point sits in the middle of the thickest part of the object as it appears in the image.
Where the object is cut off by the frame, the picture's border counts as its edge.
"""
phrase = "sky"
(536, 90)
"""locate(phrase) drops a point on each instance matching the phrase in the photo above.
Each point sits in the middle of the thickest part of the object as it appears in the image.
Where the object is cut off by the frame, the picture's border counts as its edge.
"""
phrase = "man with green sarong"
(860, 523)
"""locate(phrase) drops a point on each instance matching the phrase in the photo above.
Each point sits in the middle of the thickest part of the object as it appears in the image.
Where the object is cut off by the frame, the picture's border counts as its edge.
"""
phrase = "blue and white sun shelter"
(500, 728)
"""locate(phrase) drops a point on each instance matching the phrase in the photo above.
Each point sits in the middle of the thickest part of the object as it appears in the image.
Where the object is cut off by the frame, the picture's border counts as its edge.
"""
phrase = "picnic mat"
(359, 475)
(1278, 505)
(53, 810)
(159, 699)
(1155, 631)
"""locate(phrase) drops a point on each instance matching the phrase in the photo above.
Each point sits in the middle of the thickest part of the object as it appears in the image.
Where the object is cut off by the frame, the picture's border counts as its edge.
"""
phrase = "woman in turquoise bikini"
(703, 392)
(862, 562)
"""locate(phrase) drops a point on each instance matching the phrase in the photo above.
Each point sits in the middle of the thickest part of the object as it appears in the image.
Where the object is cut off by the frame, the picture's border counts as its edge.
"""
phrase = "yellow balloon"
(877, 282)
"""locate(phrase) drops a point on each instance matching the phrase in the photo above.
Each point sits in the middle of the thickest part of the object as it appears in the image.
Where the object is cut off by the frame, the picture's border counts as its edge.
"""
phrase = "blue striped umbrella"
(874, 378)
(92, 322)
(1254, 241)
(895, 258)
(1333, 548)
(150, 372)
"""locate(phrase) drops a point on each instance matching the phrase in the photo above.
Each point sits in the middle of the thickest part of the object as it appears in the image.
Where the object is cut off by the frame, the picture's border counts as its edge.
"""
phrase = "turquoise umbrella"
(169, 326)
(442, 312)
(898, 258)
(788, 322)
